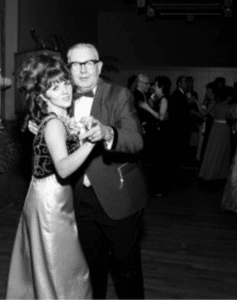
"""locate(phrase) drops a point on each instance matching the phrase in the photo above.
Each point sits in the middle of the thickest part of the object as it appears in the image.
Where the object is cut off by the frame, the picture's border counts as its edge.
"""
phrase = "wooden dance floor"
(189, 247)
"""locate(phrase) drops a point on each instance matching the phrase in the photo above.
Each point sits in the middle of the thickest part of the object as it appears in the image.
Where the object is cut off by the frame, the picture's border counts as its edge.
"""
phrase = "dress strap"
(46, 119)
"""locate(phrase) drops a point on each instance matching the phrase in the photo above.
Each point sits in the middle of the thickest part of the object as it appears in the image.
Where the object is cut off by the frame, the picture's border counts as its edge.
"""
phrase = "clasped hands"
(95, 130)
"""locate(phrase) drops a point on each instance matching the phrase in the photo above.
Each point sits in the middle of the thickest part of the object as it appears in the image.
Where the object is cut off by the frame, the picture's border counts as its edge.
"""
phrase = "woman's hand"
(144, 105)
(33, 128)
(147, 107)
(88, 124)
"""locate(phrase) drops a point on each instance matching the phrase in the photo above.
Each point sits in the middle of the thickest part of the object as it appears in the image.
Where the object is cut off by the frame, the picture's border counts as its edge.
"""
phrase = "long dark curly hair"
(164, 83)
(36, 76)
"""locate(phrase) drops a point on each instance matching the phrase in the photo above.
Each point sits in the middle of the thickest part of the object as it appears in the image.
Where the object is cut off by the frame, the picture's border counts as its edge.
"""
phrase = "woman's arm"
(146, 107)
(55, 137)
(163, 108)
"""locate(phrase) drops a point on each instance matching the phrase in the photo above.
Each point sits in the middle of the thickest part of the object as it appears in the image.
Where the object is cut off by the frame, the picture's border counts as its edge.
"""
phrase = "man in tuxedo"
(142, 85)
(140, 94)
(110, 191)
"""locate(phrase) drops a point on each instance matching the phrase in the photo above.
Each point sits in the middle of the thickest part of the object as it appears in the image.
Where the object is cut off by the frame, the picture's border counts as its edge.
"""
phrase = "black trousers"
(110, 246)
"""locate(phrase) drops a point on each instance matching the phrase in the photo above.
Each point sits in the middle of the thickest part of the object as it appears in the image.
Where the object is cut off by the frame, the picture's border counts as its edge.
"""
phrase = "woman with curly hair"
(47, 260)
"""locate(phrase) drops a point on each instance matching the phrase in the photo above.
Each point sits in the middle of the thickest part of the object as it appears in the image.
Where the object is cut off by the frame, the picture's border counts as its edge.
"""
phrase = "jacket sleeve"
(125, 123)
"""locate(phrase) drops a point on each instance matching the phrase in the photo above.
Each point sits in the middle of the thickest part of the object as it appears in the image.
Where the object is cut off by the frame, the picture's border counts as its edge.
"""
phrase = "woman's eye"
(55, 88)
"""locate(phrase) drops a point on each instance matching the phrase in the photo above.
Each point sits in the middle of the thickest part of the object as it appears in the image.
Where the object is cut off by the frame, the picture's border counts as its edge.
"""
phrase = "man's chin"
(84, 84)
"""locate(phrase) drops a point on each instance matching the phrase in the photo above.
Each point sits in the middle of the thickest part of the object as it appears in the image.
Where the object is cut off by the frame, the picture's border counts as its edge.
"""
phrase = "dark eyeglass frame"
(146, 83)
(94, 61)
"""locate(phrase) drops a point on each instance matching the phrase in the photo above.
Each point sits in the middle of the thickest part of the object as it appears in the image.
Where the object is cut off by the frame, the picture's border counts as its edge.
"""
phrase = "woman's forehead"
(58, 80)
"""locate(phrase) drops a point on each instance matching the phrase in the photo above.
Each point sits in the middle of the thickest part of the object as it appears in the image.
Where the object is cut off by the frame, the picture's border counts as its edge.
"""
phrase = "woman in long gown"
(229, 198)
(206, 108)
(47, 260)
(217, 156)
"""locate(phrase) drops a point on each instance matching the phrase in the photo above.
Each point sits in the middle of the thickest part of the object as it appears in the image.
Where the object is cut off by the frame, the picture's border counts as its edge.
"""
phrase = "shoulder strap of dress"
(46, 119)
(164, 96)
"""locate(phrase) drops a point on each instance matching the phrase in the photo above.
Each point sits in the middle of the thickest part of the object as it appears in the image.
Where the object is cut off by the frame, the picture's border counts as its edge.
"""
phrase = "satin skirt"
(47, 260)
(217, 156)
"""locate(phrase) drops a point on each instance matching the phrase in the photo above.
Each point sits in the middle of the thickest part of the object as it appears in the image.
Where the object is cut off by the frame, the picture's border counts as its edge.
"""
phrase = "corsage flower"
(74, 126)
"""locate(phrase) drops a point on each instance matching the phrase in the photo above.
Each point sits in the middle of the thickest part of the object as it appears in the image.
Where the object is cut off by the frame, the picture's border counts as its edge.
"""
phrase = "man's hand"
(99, 132)
(33, 128)
(88, 122)
(144, 105)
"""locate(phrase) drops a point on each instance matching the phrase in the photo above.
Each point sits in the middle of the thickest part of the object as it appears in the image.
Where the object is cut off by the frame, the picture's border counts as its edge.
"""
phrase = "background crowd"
(178, 125)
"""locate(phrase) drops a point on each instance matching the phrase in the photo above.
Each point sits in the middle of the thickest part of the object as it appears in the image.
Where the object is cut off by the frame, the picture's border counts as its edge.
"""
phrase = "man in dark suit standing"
(178, 107)
(140, 94)
(179, 127)
(141, 89)
(110, 193)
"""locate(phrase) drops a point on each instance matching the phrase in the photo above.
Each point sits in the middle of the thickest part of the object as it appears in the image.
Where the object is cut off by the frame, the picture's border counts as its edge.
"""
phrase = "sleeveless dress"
(47, 260)
(217, 155)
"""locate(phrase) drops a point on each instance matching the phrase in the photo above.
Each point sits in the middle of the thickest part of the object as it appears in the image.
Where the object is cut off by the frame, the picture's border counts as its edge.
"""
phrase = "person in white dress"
(47, 260)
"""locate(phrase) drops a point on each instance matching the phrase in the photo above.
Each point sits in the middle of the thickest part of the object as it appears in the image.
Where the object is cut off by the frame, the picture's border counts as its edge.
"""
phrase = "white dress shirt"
(82, 108)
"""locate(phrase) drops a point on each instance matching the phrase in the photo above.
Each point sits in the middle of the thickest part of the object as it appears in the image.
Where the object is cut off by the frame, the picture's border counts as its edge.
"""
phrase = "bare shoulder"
(55, 127)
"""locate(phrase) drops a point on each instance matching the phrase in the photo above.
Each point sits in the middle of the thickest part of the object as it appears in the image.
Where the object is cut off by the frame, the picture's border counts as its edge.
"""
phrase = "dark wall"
(2, 5)
(69, 21)
(167, 42)
(119, 31)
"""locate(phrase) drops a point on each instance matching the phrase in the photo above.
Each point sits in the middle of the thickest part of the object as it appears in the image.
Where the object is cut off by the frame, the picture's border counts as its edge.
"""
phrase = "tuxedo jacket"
(116, 174)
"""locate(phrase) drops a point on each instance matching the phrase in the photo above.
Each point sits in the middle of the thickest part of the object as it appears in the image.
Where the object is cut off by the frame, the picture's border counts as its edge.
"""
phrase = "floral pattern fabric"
(43, 165)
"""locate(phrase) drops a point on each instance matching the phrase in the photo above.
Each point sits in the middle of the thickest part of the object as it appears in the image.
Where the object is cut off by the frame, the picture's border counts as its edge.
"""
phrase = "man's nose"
(83, 68)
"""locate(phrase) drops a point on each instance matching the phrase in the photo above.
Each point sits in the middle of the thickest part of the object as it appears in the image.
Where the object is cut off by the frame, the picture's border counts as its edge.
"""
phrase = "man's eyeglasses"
(145, 82)
(89, 65)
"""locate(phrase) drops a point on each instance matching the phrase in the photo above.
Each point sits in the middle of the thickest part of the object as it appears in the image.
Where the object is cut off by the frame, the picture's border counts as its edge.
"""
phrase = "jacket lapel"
(97, 103)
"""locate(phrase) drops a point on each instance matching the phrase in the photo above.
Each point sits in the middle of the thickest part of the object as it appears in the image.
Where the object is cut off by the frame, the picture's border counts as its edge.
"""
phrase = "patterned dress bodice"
(42, 162)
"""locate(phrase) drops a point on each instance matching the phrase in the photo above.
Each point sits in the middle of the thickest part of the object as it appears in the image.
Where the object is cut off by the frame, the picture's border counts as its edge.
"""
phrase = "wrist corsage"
(74, 126)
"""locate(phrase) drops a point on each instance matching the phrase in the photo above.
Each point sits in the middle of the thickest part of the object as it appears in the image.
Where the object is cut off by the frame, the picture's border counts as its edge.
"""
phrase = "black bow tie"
(78, 94)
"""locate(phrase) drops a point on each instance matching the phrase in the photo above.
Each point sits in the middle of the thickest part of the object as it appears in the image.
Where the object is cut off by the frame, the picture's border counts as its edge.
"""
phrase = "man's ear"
(100, 65)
